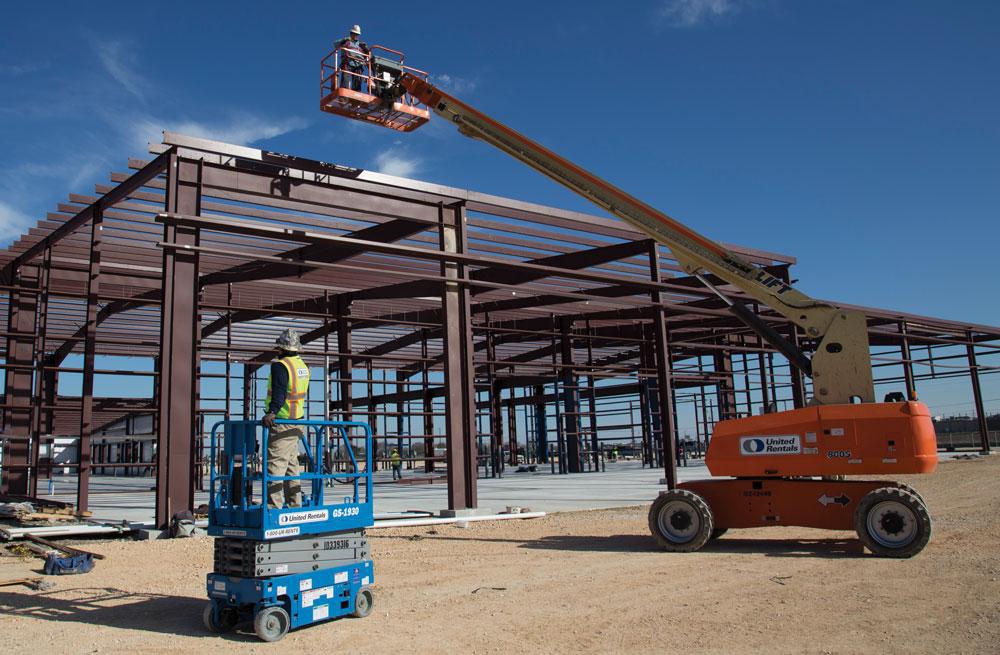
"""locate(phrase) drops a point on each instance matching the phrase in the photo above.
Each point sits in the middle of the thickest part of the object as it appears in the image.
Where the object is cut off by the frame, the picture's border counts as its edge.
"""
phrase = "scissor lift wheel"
(893, 522)
(271, 623)
(681, 521)
(226, 620)
(363, 603)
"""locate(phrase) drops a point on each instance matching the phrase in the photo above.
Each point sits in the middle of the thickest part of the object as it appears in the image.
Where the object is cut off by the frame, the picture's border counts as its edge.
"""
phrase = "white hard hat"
(356, 30)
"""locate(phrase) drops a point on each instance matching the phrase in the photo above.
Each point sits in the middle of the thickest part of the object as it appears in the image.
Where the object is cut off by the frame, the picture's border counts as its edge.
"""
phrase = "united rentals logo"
(771, 445)
(303, 517)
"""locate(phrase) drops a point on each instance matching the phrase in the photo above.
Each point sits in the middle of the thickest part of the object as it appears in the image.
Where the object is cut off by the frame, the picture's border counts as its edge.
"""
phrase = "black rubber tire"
(680, 521)
(363, 603)
(892, 522)
(718, 532)
(909, 489)
(228, 618)
(271, 623)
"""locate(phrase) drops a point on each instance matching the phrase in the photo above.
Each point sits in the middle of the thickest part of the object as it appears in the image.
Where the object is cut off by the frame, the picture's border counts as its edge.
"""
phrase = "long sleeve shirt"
(279, 387)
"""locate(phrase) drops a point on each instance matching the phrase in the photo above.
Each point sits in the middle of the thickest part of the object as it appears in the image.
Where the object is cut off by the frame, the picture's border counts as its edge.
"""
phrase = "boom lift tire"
(892, 522)
(681, 521)
(909, 489)
(363, 603)
(271, 623)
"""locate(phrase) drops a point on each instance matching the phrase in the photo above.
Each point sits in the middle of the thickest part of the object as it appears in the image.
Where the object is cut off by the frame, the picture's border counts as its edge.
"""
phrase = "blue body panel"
(307, 597)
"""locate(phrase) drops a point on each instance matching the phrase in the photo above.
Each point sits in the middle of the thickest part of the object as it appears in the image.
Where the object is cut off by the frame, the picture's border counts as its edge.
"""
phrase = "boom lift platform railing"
(287, 567)
(363, 93)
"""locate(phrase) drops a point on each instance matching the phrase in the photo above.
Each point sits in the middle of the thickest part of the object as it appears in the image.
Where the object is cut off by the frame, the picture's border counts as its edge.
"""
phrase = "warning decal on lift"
(311, 596)
(771, 445)
(842, 500)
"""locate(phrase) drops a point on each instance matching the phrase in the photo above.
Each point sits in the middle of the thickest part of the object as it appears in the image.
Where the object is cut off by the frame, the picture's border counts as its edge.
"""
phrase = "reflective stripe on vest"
(298, 388)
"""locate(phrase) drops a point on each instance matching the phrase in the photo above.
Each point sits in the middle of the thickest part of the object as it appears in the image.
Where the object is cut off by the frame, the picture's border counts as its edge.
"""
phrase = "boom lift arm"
(840, 367)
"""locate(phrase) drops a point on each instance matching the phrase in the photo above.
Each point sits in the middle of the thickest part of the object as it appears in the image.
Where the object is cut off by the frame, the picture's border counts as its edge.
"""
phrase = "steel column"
(911, 388)
(179, 332)
(89, 352)
(571, 397)
(664, 383)
(977, 396)
(21, 315)
(460, 395)
(541, 426)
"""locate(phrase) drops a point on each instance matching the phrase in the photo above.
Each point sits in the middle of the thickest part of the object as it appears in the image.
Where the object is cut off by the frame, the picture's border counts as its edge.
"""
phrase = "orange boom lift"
(783, 468)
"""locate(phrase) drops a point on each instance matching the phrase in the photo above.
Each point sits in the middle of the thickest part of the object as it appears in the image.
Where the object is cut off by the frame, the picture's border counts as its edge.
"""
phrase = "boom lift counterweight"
(786, 467)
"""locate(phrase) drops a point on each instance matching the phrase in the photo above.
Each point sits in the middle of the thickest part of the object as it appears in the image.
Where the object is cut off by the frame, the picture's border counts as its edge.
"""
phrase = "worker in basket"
(287, 391)
(353, 60)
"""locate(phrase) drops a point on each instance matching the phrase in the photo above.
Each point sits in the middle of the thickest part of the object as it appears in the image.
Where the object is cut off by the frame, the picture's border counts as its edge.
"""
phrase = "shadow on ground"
(644, 543)
(114, 608)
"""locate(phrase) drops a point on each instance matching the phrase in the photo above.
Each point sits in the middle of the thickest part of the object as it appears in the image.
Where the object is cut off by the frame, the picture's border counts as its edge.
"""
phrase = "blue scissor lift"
(285, 568)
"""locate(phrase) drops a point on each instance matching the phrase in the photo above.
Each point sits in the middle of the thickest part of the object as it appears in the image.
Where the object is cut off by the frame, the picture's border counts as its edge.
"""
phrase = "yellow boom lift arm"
(840, 366)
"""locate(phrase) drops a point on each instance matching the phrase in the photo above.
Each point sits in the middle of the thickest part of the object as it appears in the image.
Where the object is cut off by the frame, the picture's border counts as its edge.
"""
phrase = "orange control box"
(827, 440)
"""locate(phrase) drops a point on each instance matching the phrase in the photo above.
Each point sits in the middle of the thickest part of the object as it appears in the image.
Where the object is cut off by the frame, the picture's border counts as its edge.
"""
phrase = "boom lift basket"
(362, 92)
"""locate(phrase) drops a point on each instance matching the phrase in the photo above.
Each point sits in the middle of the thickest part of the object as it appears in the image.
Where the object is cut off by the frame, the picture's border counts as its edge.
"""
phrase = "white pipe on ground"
(406, 523)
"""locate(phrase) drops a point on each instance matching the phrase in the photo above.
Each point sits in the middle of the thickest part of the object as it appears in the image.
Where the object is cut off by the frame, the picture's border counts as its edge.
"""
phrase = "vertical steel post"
(571, 396)
(541, 426)
(911, 387)
(42, 377)
(460, 395)
(89, 352)
(21, 314)
(798, 382)
(428, 404)
(724, 384)
(512, 428)
(664, 383)
(179, 331)
(977, 395)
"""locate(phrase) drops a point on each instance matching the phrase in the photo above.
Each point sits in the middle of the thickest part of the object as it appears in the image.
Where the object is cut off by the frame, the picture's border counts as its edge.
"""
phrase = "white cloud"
(690, 13)
(13, 223)
(395, 162)
(454, 84)
(114, 56)
(240, 128)
(23, 69)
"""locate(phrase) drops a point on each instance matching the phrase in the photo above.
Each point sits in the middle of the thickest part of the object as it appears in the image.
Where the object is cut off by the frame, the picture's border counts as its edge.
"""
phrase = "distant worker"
(614, 454)
(396, 462)
(287, 391)
(353, 59)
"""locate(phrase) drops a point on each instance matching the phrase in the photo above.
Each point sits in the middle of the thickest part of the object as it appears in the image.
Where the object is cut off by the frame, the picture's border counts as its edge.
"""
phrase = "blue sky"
(861, 137)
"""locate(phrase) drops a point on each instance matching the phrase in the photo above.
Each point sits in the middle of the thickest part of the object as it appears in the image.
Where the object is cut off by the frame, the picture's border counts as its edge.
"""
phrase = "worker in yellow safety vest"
(396, 462)
(287, 391)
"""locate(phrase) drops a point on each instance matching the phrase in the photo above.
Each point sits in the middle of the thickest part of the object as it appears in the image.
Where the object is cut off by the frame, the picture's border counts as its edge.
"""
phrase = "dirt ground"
(569, 583)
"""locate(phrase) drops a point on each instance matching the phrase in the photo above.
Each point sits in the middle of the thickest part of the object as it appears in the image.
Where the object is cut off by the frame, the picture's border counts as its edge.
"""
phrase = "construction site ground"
(573, 582)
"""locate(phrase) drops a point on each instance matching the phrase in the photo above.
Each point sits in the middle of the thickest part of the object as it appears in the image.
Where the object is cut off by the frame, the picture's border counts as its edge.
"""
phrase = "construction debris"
(38, 584)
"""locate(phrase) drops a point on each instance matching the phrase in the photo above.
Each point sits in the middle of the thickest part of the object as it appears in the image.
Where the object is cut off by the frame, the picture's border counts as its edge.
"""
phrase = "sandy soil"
(574, 582)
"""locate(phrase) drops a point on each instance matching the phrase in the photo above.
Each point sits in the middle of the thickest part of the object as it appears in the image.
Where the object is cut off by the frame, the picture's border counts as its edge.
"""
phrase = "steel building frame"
(467, 312)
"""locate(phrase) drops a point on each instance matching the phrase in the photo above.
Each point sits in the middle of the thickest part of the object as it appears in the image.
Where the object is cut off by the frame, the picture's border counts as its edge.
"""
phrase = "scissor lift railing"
(363, 93)
(238, 504)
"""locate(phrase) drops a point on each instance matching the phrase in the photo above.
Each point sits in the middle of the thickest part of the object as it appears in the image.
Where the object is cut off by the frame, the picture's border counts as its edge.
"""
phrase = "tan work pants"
(283, 460)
